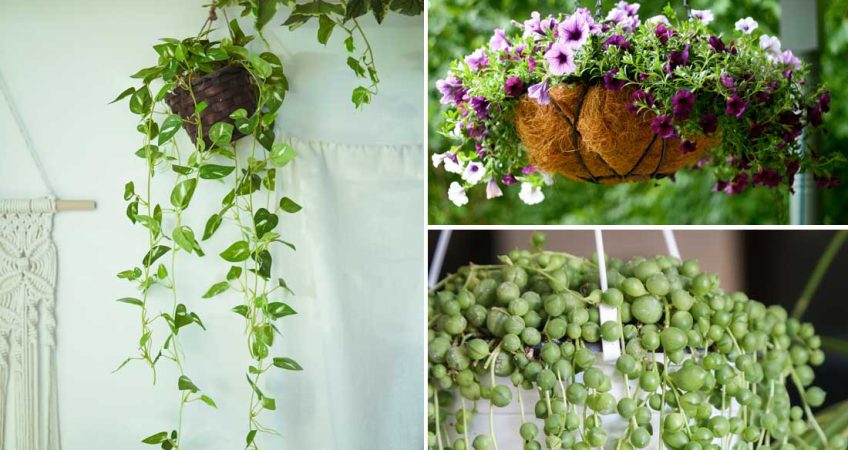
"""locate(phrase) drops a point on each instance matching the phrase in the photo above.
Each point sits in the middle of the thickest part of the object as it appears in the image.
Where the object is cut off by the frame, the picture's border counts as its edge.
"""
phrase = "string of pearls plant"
(716, 367)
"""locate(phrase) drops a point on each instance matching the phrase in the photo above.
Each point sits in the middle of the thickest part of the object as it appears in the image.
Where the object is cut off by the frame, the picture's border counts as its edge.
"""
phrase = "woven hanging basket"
(224, 91)
(586, 133)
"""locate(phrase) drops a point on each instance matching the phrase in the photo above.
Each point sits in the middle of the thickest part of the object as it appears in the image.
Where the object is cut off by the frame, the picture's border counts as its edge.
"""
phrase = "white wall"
(64, 61)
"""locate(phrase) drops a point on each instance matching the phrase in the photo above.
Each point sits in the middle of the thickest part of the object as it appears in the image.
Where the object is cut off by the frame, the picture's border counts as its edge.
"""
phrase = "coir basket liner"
(224, 91)
(587, 133)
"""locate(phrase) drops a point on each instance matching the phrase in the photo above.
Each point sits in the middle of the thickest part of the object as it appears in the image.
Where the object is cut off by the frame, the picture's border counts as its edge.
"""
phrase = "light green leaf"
(157, 438)
(221, 133)
(182, 193)
(211, 226)
(269, 403)
(214, 171)
(131, 301)
(185, 384)
(361, 96)
(184, 237)
(169, 128)
(287, 363)
(282, 154)
(325, 29)
(288, 205)
(141, 102)
(154, 254)
(122, 95)
(237, 252)
(279, 309)
(262, 68)
(216, 289)
(208, 400)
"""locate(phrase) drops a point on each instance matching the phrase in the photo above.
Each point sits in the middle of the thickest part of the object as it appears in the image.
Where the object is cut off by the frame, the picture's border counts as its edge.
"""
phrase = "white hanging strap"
(671, 243)
(60, 205)
(439, 257)
(611, 349)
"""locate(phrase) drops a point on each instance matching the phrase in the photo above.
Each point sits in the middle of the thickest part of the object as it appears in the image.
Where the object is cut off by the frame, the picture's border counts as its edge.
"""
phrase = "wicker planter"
(586, 133)
(224, 91)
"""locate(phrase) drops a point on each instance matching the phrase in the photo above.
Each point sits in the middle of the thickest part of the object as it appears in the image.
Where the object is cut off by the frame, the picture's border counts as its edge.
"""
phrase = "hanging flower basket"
(612, 99)
(223, 91)
(586, 133)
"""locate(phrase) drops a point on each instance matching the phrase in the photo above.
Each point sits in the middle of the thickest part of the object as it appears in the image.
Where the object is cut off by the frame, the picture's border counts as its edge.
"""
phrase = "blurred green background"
(456, 27)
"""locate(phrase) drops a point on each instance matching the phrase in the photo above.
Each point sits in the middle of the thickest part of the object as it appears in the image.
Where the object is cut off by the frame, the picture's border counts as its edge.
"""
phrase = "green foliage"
(456, 27)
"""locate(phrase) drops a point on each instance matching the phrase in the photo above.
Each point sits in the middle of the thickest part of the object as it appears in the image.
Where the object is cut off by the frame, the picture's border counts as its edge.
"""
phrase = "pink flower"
(789, 60)
(498, 42)
(477, 60)
(492, 189)
(560, 59)
(574, 31)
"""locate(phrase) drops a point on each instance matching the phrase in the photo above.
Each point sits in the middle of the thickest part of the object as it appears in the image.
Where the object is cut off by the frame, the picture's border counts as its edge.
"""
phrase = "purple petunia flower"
(663, 127)
(728, 82)
(766, 177)
(640, 97)
(514, 87)
(770, 45)
(663, 33)
(448, 87)
(824, 182)
(574, 30)
(540, 92)
(618, 41)
(612, 83)
(720, 186)
(509, 179)
(481, 107)
(738, 184)
(678, 58)
(477, 60)
(736, 106)
(560, 59)
(625, 14)
(709, 123)
(499, 42)
(683, 102)
(528, 169)
(717, 44)
(788, 59)
(538, 27)
(824, 101)
(594, 27)
(704, 15)
(757, 130)
(687, 146)
(746, 25)
(814, 116)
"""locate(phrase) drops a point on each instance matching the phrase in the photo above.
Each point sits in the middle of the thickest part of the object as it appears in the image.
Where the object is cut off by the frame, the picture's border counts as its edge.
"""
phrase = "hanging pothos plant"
(219, 91)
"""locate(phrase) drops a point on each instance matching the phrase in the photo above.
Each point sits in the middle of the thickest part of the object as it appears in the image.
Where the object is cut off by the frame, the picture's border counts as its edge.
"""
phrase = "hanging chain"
(688, 8)
(598, 8)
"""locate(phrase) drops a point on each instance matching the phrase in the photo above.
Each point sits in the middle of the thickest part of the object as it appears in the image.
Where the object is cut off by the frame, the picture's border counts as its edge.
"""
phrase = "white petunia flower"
(531, 194)
(658, 19)
(704, 15)
(770, 45)
(492, 189)
(746, 25)
(437, 159)
(457, 195)
(452, 166)
(473, 173)
(547, 178)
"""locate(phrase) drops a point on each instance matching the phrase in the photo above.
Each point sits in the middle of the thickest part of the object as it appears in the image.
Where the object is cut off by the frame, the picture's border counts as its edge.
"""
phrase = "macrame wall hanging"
(29, 416)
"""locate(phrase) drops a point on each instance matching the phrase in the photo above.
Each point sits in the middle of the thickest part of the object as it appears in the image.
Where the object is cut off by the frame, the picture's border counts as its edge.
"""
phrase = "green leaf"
(287, 363)
(216, 289)
(408, 7)
(266, 11)
(260, 66)
(251, 435)
(350, 45)
(184, 237)
(282, 154)
(129, 190)
(182, 193)
(122, 95)
(836, 345)
(361, 96)
(211, 226)
(319, 7)
(237, 252)
(208, 400)
(356, 66)
(182, 170)
(132, 274)
(141, 102)
(242, 310)
(355, 8)
(221, 133)
(279, 309)
(157, 438)
(154, 254)
(265, 334)
(185, 384)
(325, 29)
(259, 350)
(378, 7)
(182, 317)
(169, 128)
(200, 107)
(269, 403)
(214, 171)
(264, 221)
(285, 285)
(234, 273)
(131, 301)
(288, 205)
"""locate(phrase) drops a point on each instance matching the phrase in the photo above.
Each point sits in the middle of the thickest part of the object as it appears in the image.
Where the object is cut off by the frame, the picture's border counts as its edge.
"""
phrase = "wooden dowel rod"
(75, 205)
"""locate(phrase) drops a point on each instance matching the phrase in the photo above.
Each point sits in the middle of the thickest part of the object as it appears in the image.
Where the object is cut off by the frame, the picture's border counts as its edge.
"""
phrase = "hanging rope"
(439, 256)
(10, 102)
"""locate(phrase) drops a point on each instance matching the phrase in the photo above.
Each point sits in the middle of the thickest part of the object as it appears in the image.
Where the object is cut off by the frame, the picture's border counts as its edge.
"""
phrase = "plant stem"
(818, 273)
